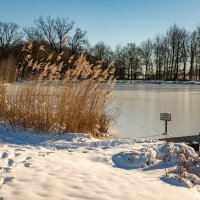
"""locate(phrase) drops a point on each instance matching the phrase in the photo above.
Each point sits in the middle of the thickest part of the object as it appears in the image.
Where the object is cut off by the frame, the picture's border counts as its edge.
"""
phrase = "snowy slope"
(81, 167)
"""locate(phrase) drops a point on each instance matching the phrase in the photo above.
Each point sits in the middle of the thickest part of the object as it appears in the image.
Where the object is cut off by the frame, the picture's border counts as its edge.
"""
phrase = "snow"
(39, 166)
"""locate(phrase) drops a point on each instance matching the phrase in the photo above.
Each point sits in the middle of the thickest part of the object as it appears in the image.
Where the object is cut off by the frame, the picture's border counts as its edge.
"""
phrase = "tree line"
(174, 55)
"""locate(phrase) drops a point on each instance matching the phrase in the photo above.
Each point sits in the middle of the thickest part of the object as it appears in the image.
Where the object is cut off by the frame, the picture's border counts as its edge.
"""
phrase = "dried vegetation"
(76, 100)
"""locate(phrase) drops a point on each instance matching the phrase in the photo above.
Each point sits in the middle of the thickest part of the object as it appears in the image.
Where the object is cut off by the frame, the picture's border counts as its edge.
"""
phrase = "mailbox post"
(165, 117)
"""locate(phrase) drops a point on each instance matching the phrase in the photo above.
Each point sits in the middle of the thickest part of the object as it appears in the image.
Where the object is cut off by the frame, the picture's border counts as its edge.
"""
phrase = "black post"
(165, 126)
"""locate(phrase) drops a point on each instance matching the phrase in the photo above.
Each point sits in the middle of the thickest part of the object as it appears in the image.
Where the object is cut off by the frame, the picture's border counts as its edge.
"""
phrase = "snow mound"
(183, 160)
(139, 158)
(122, 160)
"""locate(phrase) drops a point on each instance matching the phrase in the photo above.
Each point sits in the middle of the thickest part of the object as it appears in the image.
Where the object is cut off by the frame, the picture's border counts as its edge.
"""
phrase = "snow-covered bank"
(159, 82)
(81, 167)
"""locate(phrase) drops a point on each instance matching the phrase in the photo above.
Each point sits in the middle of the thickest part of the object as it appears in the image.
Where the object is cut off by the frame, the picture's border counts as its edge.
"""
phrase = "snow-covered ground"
(80, 167)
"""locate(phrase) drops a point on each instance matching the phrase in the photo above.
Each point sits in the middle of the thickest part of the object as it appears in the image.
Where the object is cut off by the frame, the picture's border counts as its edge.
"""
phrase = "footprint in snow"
(3, 155)
(41, 154)
(23, 159)
(28, 158)
(23, 164)
(10, 162)
(6, 180)
(49, 152)
(27, 164)
(17, 154)
(5, 170)
(7, 155)
(44, 153)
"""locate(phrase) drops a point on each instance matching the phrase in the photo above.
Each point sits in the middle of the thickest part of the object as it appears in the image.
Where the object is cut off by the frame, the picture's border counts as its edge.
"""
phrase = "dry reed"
(8, 70)
(80, 103)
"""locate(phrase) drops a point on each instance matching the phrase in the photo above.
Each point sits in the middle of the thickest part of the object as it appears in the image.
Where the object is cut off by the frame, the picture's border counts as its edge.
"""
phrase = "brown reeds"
(80, 103)
(8, 70)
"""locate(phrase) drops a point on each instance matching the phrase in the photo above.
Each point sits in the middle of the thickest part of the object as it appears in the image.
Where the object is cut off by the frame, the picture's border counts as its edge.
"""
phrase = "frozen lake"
(141, 105)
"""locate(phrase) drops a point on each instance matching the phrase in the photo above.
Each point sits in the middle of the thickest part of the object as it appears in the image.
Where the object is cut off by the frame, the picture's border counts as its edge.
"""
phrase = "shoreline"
(158, 82)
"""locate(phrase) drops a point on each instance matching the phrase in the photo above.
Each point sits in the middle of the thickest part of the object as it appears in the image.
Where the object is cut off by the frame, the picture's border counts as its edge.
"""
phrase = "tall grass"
(80, 103)
(8, 70)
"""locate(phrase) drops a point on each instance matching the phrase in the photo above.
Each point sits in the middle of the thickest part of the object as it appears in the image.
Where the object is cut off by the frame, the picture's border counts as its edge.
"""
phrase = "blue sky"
(112, 21)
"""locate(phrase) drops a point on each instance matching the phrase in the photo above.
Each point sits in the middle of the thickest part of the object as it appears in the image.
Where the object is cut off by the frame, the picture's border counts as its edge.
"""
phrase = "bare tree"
(62, 28)
(119, 62)
(9, 36)
(34, 34)
(176, 37)
(102, 52)
(158, 56)
(133, 60)
(46, 28)
(147, 50)
(197, 53)
(171, 34)
(184, 54)
(193, 48)
(55, 32)
(77, 41)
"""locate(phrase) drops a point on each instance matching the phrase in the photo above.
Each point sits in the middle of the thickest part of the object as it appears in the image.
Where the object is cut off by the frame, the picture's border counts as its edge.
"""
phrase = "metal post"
(165, 126)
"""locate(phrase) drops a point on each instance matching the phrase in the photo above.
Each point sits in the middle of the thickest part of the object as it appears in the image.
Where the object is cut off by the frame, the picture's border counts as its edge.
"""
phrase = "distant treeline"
(174, 55)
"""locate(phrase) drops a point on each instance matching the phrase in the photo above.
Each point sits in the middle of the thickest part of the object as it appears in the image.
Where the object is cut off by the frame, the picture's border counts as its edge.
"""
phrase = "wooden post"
(165, 126)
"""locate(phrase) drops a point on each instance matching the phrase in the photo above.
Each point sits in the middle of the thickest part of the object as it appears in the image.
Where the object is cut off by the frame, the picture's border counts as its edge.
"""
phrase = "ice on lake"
(141, 105)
